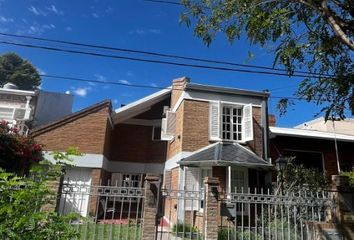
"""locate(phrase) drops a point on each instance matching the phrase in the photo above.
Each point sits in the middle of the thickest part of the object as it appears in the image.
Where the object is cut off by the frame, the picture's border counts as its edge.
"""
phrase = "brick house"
(183, 133)
(326, 151)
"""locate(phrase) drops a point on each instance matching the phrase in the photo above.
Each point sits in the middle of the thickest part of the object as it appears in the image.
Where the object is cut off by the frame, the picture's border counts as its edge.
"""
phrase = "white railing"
(262, 215)
(181, 214)
(109, 212)
(14, 113)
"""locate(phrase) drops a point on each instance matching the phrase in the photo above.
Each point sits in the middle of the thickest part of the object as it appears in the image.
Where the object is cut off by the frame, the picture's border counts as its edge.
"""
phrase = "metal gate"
(180, 215)
(107, 212)
(262, 215)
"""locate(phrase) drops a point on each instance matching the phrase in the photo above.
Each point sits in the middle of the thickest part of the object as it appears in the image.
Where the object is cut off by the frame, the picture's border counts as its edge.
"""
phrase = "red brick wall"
(175, 146)
(171, 182)
(133, 143)
(192, 129)
(257, 144)
(195, 133)
(86, 133)
(346, 151)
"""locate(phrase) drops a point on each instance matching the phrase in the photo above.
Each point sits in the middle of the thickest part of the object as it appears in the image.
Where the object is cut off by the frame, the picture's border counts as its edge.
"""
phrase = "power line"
(57, 49)
(86, 80)
(141, 85)
(156, 54)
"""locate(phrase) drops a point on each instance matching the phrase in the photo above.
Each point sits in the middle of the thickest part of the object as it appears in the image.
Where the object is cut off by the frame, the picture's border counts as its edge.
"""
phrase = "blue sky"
(134, 24)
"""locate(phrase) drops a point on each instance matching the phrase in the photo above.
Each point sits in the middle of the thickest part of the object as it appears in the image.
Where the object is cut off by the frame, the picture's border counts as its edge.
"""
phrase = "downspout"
(265, 137)
(265, 128)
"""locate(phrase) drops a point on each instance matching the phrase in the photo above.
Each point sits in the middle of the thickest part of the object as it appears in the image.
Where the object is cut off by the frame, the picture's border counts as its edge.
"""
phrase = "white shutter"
(171, 123)
(214, 121)
(168, 126)
(192, 177)
(247, 126)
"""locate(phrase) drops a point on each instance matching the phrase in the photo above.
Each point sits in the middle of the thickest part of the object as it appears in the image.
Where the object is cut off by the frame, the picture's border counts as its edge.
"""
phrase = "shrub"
(350, 175)
(229, 233)
(21, 215)
(181, 227)
(17, 152)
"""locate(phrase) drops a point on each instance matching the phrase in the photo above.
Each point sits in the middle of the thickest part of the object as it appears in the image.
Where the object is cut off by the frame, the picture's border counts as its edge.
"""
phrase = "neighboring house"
(325, 151)
(28, 109)
(184, 133)
(345, 126)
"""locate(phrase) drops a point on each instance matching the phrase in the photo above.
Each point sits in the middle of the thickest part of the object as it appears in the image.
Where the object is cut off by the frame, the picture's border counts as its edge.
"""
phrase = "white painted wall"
(74, 202)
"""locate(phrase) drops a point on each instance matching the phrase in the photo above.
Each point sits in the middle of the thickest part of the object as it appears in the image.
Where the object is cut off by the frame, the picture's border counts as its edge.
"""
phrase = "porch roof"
(225, 154)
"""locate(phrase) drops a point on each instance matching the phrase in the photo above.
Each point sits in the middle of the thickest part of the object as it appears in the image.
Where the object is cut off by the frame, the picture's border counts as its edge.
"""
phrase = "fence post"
(150, 207)
(211, 185)
(341, 223)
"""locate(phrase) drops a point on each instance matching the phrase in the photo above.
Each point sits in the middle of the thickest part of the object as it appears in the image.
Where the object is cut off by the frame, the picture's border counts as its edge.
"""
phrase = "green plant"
(297, 177)
(15, 69)
(315, 36)
(22, 216)
(229, 233)
(182, 227)
(350, 175)
(17, 152)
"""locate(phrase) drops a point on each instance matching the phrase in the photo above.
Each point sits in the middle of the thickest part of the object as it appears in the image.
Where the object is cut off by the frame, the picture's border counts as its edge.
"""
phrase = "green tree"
(316, 36)
(17, 152)
(18, 71)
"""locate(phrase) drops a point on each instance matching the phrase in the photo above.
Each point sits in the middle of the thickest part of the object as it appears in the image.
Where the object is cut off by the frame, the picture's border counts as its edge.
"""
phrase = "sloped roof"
(139, 106)
(303, 133)
(71, 117)
(225, 154)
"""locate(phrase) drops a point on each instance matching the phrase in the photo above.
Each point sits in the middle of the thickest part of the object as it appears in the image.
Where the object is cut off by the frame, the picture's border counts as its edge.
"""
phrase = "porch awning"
(225, 154)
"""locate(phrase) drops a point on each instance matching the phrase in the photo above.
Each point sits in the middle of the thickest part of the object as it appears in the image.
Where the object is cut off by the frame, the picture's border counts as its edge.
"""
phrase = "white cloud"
(6, 20)
(95, 15)
(38, 29)
(40, 71)
(109, 10)
(67, 92)
(123, 81)
(35, 30)
(37, 11)
(54, 9)
(100, 77)
(153, 85)
(48, 26)
(130, 74)
(115, 101)
(82, 92)
(68, 28)
(145, 31)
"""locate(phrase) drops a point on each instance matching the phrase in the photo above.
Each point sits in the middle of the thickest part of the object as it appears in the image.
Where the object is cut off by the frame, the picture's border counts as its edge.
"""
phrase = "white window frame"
(212, 122)
(232, 107)
(153, 134)
(201, 184)
(230, 169)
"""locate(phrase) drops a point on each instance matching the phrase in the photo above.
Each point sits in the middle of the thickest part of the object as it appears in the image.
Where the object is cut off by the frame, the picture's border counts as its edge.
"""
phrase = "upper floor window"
(230, 122)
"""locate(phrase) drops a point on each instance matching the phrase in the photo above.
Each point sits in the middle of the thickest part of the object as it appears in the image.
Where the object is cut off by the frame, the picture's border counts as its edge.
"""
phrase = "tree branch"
(337, 29)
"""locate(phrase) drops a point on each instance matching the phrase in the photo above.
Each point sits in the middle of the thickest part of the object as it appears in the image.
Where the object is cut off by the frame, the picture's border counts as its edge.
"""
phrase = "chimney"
(178, 86)
(272, 120)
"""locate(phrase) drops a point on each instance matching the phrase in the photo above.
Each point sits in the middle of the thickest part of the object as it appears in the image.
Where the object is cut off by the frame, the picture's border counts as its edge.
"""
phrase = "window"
(239, 180)
(126, 180)
(308, 159)
(156, 133)
(231, 123)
